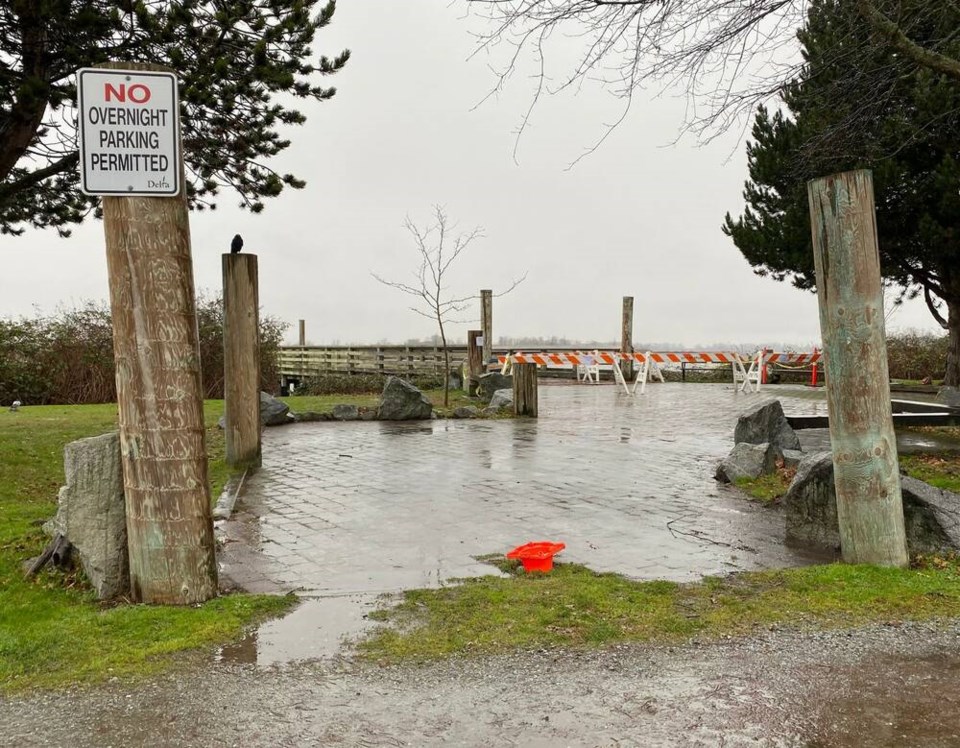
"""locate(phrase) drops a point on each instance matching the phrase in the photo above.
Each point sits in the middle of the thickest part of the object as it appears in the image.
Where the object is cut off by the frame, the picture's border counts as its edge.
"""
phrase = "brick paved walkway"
(345, 508)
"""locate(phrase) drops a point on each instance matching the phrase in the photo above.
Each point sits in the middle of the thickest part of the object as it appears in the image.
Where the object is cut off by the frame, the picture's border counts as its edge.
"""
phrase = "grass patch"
(941, 470)
(767, 489)
(575, 607)
(52, 630)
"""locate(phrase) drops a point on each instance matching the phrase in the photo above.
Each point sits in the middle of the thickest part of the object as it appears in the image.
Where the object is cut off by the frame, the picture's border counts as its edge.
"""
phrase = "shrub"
(915, 355)
(68, 357)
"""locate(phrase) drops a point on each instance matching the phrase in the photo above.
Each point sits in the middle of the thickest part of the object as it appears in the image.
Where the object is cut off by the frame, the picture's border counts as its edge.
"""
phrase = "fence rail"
(298, 362)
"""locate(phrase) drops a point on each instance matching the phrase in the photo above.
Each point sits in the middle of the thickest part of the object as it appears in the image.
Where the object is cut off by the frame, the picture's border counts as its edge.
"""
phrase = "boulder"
(931, 515)
(311, 415)
(345, 412)
(765, 423)
(949, 396)
(793, 457)
(466, 411)
(810, 503)
(490, 383)
(455, 380)
(401, 401)
(274, 412)
(501, 399)
(91, 512)
(748, 461)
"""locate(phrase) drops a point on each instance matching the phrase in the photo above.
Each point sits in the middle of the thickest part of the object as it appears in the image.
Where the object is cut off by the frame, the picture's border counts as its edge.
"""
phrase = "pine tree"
(237, 60)
(859, 104)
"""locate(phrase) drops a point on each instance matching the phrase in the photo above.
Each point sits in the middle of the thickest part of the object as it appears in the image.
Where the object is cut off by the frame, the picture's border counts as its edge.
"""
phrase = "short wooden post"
(159, 396)
(486, 325)
(866, 472)
(525, 390)
(474, 361)
(303, 332)
(241, 360)
(626, 337)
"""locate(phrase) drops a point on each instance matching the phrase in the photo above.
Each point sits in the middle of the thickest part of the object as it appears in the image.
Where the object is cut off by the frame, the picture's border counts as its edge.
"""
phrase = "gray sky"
(638, 217)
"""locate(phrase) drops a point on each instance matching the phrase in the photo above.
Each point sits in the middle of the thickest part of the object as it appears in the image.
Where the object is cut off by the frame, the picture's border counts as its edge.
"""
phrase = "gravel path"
(892, 685)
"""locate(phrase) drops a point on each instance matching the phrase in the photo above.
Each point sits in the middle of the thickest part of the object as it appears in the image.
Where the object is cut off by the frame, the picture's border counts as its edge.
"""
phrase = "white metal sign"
(129, 132)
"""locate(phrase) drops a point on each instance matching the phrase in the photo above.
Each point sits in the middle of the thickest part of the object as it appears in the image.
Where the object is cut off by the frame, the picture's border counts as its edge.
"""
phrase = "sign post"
(130, 154)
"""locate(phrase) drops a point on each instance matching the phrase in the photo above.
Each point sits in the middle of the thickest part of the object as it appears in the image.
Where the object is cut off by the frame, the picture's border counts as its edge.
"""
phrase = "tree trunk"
(446, 365)
(951, 377)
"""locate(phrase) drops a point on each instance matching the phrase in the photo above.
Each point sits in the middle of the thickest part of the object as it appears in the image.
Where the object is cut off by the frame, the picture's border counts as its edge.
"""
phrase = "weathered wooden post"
(156, 345)
(241, 360)
(866, 473)
(474, 362)
(486, 325)
(626, 337)
(525, 390)
(303, 332)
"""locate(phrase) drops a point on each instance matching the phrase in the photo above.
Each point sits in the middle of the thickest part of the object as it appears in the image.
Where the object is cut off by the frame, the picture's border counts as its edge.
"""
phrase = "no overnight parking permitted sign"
(129, 132)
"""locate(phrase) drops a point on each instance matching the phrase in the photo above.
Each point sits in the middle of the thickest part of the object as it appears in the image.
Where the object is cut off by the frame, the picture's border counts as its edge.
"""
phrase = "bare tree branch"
(437, 250)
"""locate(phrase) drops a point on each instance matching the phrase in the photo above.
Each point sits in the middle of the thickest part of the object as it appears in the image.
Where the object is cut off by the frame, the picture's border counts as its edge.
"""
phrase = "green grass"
(767, 488)
(941, 470)
(52, 630)
(575, 607)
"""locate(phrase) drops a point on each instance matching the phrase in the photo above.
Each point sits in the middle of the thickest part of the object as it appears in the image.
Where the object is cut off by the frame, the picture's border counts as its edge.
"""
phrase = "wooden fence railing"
(298, 362)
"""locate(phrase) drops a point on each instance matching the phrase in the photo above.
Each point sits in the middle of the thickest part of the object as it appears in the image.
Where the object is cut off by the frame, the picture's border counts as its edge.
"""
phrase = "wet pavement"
(344, 512)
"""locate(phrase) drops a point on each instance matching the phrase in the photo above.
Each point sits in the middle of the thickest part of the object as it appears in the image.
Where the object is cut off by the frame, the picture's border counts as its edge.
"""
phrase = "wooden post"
(626, 337)
(486, 325)
(866, 472)
(303, 333)
(159, 396)
(474, 362)
(241, 360)
(525, 390)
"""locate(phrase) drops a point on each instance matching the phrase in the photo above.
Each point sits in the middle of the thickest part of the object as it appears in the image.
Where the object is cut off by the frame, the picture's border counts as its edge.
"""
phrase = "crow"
(237, 244)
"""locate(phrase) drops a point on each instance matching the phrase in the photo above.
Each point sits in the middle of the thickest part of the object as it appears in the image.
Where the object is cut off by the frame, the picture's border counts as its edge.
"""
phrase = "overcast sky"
(639, 217)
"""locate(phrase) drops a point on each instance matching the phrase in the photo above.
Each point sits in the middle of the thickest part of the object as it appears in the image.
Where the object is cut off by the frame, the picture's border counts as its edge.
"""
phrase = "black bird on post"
(236, 245)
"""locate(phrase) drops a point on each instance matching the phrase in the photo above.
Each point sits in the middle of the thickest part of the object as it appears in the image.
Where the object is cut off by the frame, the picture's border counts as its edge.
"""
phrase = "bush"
(915, 355)
(68, 358)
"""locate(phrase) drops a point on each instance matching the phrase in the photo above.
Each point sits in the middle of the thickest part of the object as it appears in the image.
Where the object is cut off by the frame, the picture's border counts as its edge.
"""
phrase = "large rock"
(345, 412)
(274, 412)
(91, 513)
(931, 515)
(765, 423)
(466, 411)
(401, 401)
(490, 383)
(810, 503)
(501, 399)
(748, 461)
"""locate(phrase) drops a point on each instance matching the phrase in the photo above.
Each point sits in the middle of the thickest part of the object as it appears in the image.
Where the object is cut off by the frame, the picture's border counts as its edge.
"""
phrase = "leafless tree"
(727, 56)
(437, 248)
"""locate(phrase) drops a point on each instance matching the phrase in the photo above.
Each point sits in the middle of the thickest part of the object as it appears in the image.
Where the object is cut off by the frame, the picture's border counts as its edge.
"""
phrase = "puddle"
(316, 630)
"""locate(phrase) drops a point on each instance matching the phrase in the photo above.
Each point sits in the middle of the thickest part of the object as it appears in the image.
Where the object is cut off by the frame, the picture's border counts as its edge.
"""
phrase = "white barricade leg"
(618, 376)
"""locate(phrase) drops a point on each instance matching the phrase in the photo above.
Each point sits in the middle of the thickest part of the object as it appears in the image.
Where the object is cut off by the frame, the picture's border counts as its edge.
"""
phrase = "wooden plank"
(525, 390)
(626, 337)
(159, 396)
(486, 324)
(241, 360)
(866, 470)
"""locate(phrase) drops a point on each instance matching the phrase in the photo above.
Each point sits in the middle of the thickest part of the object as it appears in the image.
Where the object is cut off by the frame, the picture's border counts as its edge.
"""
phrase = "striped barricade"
(650, 362)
